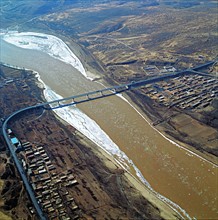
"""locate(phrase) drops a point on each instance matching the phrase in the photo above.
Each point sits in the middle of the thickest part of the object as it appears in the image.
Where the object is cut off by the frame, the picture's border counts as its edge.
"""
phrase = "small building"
(36, 153)
(44, 155)
(51, 167)
(42, 171)
(29, 172)
(33, 186)
(40, 148)
(15, 142)
(63, 177)
(72, 182)
(9, 131)
(9, 81)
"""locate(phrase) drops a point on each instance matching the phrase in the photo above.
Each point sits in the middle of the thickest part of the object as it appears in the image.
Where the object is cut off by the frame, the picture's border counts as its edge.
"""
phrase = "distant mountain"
(13, 12)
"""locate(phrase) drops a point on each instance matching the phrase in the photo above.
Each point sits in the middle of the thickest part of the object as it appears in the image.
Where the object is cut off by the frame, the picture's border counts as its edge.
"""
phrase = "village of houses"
(50, 188)
(191, 91)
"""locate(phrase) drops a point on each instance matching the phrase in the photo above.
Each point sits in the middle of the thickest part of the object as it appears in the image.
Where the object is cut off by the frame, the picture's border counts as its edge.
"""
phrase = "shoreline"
(103, 81)
(143, 184)
(137, 183)
(164, 208)
(181, 145)
(186, 147)
(170, 138)
(101, 138)
(156, 128)
(167, 213)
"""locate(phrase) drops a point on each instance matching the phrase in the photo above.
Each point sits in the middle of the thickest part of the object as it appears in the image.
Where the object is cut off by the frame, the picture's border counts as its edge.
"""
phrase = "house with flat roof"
(15, 141)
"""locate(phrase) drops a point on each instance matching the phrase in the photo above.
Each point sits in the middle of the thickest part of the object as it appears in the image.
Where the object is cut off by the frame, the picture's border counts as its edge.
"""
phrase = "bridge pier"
(102, 94)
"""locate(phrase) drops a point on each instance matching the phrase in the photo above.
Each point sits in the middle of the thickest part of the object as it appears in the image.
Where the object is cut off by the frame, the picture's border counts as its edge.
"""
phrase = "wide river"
(175, 173)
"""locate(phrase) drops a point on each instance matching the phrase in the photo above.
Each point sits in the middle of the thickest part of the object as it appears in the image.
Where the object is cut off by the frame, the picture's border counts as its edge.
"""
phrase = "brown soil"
(12, 193)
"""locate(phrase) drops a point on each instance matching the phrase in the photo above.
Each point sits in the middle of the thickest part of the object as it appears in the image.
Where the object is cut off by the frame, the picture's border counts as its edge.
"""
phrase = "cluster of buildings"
(6, 82)
(154, 70)
(50, 188)
(14, 140)
(190, 91)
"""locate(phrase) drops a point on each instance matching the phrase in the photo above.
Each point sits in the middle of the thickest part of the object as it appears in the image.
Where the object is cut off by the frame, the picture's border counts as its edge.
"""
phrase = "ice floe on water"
(91, 130)
(48, 44)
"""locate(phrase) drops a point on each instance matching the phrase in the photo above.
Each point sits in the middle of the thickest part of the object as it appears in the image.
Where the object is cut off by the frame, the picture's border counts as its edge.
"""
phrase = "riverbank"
(111, 190)
(154, 112)
(152, 153)
(135, 187)
(147, 110)
(113, 164)
(144, 105)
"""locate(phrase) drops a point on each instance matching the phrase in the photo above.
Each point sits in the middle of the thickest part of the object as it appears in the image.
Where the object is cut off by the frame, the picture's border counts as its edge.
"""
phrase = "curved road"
(18, 164)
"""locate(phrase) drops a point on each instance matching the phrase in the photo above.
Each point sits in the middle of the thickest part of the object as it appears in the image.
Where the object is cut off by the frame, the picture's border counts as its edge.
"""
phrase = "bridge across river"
(90, 96)
(76, 99)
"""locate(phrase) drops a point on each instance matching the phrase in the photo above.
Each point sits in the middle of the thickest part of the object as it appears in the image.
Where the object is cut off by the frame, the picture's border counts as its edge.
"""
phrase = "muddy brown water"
(184, 178)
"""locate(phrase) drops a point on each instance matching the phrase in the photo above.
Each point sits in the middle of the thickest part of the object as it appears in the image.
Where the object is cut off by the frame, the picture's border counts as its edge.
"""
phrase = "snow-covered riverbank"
(48, 44)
